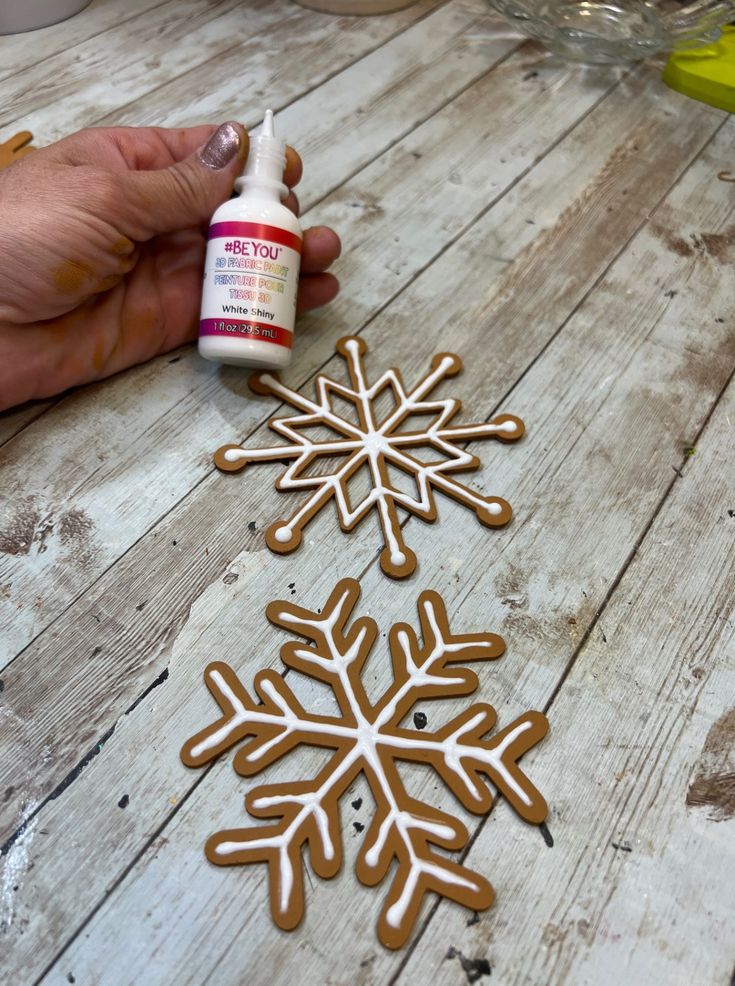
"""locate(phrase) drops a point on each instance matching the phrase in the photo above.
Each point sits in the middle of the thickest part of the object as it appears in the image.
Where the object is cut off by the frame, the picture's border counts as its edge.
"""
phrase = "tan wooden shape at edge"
(15, 147)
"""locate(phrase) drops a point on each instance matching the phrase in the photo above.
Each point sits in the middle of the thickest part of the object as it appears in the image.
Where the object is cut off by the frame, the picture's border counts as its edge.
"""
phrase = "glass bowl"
(615, 32)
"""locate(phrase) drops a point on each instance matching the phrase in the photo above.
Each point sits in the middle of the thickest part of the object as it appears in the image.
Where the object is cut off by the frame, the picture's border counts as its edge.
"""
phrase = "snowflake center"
(366, 737)
(375, 443)
(385, 448)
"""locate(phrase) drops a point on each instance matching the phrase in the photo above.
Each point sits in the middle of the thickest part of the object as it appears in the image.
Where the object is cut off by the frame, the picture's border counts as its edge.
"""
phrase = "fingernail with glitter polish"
(221, 148)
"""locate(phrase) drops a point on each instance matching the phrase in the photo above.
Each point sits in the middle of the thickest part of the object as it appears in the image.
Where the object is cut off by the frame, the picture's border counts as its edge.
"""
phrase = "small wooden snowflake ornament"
(360, 439)
(15, 148)
(367, 738)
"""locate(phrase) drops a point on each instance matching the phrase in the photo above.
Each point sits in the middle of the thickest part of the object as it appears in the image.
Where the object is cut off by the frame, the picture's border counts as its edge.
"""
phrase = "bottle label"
(251, 275)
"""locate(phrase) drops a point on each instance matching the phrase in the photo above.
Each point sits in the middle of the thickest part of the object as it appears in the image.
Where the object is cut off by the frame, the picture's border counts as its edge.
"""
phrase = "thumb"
(186, 194)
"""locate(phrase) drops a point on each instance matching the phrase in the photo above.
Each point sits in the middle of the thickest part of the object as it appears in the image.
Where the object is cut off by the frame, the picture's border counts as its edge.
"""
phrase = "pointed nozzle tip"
(267, 129)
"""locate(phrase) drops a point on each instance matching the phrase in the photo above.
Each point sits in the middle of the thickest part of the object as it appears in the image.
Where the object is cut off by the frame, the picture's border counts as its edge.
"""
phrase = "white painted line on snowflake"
(367, 738)
(373, 445)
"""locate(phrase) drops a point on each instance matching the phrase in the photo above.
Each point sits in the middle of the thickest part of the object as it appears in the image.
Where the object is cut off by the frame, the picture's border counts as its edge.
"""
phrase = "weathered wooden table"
(565, 231)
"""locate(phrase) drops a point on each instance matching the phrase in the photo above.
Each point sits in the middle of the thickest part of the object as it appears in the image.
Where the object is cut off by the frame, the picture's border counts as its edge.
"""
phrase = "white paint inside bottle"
(251, 270)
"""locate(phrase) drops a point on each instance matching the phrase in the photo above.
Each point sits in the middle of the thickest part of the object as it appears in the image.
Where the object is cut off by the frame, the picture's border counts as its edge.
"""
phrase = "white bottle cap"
(266, 161)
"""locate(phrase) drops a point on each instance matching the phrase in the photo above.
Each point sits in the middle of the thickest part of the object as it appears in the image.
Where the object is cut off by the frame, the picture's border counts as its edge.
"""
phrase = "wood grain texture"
(110, 469)
(136, 57)
(103, 435)
(542, 590)
(120, 62)
(364, 109)
(14, 421)
(20, 51)
(636, 879)
(497, 598)
(562, 230)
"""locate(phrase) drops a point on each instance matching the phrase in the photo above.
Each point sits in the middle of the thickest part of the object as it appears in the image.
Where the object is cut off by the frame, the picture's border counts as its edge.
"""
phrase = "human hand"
(103, 247)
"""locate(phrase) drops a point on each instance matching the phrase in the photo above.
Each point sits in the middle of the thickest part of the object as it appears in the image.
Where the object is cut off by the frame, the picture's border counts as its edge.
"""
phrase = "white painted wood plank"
(180, 606)
(141, 54)
(100, 453)
(668, 372)
(37, 493)
(18, 51)
(680, 361)
(347, 121)
(14, 421)
(638, 883)
(125, 61)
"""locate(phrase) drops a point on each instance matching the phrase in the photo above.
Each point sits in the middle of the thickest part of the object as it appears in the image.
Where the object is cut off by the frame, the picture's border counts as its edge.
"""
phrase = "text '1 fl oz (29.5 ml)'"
(251, 271)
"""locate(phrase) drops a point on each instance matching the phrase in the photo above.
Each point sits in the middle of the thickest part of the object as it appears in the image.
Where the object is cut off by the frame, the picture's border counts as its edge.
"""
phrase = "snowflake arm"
(335, 656)
(308, 814)
(420, 671)
(409, 832)
(460, 756)
(277, 724)
(367, 738)
(362, 441)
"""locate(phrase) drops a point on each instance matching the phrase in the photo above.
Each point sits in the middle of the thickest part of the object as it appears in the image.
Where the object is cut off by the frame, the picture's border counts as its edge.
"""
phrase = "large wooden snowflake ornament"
(360, 440)
(367, 738)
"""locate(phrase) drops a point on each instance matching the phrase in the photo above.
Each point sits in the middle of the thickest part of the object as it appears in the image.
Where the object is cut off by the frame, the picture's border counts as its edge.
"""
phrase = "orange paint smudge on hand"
(137, 328)
(70, 275)
(99, 356)
(107, 282)
(122, 247)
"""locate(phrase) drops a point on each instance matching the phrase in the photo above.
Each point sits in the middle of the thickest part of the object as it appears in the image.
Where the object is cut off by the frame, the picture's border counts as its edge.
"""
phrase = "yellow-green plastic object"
(707, 74)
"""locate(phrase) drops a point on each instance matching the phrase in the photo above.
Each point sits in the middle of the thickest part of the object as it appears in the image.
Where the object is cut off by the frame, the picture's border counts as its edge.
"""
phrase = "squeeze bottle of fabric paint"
(251, 270)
